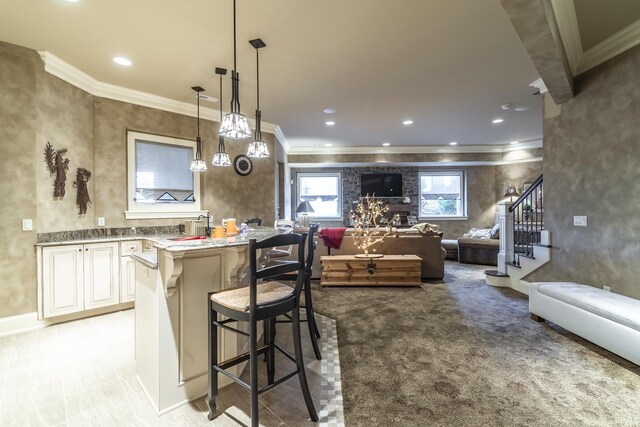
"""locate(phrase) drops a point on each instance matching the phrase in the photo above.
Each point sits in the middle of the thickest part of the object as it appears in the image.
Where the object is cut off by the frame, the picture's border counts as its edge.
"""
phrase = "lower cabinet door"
(127, 279)
(62, 280)
(101, 278)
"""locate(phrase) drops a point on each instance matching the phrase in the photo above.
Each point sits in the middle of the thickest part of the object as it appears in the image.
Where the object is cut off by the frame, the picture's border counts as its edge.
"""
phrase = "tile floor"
(82, 373)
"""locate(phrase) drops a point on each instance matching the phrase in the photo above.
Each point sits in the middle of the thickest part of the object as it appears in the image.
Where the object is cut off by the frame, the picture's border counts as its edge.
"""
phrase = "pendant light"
(221, 158)
(197, 164)
(235, 125)
(258, 148)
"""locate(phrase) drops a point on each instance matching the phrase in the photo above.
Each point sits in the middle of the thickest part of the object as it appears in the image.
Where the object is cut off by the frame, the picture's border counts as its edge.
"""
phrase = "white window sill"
(443, 218)
(162, 215)
(324, 218)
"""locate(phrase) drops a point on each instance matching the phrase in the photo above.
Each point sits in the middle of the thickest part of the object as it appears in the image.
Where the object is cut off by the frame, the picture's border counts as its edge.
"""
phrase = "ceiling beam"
(535, 23)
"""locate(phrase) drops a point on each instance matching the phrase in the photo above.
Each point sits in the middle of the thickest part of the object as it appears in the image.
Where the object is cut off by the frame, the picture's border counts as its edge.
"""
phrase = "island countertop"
(167, 241)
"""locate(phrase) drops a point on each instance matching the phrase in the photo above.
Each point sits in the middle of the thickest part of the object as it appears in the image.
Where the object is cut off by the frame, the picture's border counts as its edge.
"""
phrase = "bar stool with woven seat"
(259, 302)
(314, 332)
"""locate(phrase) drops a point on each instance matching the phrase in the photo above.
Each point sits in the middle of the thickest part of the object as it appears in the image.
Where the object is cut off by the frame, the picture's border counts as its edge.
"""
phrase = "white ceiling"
(448, 65)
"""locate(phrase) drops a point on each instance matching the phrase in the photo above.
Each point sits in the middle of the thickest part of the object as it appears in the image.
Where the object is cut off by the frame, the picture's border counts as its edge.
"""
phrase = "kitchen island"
(171, 314)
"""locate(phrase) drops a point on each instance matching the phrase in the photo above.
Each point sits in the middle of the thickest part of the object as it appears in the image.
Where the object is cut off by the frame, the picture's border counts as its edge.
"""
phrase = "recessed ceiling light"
(72, 1)
(122, 61)
(386, 144)
(496, 121)
(407, 122)
(329, 110)
(330, 123)
(328, 145)
(514, 142)
(522, 108)
(453, 143)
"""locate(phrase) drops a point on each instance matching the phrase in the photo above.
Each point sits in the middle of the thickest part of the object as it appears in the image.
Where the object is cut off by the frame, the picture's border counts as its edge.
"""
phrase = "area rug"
(462, 353)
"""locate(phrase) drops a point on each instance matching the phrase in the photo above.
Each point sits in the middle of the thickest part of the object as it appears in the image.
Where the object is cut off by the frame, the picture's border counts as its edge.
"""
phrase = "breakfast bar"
(171, 313)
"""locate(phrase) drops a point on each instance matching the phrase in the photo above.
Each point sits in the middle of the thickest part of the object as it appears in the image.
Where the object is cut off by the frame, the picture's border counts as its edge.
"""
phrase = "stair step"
(511, 264)
(495, 273)
(527, 256)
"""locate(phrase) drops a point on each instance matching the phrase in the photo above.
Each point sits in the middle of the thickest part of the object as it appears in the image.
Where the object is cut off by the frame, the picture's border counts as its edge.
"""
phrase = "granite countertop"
(150, 259)
(164, 241)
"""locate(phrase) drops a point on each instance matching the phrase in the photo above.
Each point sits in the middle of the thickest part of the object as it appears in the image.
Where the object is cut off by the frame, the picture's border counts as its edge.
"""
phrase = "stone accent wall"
(351, 187)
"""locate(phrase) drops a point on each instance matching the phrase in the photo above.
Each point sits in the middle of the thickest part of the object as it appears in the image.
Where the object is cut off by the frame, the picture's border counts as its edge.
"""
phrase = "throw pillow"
(495, 232)
(482, 233)
(469, 233)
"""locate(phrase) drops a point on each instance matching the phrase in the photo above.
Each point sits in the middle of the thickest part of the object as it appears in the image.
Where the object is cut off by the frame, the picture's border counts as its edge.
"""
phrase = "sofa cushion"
(481, 233)
(615, 307)
(479, 243)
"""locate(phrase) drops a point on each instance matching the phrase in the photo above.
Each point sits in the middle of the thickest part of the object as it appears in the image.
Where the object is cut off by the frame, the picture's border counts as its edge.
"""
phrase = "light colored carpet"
(461, 353)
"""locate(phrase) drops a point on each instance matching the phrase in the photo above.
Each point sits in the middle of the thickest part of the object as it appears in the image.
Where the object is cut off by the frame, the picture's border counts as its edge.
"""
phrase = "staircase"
(525, 245)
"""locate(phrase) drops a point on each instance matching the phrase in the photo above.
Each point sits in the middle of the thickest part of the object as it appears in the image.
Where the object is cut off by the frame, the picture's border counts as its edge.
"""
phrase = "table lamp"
(511, 191)
(303, 209)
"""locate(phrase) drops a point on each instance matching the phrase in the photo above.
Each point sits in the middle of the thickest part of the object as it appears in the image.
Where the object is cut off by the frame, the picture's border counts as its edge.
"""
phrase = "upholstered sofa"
(399, 242)
(480, 246)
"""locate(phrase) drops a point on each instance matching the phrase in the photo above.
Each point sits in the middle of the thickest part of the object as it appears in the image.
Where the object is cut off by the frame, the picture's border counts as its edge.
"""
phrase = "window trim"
(320, 174)
(162, 210)
(463, 197)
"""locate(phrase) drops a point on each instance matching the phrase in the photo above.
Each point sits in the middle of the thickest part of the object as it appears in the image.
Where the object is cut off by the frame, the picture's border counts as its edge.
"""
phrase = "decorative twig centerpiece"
(370, 225)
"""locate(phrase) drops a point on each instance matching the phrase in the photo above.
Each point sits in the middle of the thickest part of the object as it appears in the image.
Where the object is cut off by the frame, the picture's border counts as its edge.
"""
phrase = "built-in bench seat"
(610, 320)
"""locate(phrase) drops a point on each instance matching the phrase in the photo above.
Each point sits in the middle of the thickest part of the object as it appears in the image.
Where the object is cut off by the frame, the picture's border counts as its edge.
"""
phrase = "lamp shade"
(304, 207)
(511, 191)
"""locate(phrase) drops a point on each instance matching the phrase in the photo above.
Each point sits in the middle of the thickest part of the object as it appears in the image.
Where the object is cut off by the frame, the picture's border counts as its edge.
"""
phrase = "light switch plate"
(580, 221)
(100, 221)
(27, 224)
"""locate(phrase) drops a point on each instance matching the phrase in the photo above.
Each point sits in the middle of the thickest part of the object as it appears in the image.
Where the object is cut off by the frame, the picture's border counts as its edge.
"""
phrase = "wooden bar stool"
(260, 302)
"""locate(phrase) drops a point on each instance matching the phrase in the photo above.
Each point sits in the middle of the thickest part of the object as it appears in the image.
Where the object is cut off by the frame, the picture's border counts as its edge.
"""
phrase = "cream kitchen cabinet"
(128, 269)
(75, 278)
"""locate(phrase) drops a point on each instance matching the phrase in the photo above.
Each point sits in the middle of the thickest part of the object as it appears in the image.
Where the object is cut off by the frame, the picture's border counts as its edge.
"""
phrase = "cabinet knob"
(79, 250)
(87, 249)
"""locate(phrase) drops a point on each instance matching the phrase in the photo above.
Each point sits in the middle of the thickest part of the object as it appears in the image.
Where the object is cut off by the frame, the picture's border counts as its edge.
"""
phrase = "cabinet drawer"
(130, 247)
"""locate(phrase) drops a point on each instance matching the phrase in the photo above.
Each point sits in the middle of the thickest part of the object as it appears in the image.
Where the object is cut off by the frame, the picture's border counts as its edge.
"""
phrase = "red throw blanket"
(332, 236)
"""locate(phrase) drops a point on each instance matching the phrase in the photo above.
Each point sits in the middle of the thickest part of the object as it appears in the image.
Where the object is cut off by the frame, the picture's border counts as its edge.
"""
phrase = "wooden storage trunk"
(390, 270)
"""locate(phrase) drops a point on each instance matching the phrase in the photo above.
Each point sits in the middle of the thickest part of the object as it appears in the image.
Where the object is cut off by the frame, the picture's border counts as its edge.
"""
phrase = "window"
(160, 184)
(442, 195)
(323, 192)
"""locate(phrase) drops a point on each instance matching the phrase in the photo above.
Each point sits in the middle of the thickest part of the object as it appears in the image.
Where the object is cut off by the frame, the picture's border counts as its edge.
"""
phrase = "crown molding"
(282, 139)
(407, 149)
(613, 45)
(407, 164)
(567, 21)
(579, 60)
(70, 74)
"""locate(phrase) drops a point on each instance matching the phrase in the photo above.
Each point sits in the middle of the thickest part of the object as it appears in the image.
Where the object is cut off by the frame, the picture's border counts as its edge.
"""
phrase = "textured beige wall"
(229, 195)
(19, 158)
(592, 153)
(517, 175)
(65, 119)
(36, 107)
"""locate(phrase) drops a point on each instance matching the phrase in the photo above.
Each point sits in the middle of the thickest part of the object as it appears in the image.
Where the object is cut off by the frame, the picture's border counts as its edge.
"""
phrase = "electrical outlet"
(580, 221)
(27, 224)
(606, 288)
(101, 221)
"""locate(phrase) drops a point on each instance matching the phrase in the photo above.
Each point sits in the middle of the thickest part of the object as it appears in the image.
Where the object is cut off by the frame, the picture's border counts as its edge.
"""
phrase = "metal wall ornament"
(242, 165)
(82, 195)
(58, 165)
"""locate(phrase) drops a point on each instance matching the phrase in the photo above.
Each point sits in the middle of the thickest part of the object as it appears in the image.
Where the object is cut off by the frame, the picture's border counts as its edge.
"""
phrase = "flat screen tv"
(381, 184)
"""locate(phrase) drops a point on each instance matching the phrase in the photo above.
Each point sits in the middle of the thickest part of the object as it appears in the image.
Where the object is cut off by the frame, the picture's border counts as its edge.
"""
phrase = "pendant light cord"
(258, 132)
(235, 92)
(198, 141)
(221, 148)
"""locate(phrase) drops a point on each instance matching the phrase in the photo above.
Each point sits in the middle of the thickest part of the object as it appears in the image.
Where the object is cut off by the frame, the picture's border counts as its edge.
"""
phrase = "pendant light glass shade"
(235, 126)
(197, 164)
(221, 160)
(258, 149)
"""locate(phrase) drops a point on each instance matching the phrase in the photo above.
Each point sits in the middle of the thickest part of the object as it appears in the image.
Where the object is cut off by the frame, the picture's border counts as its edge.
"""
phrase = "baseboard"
(21, 323)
